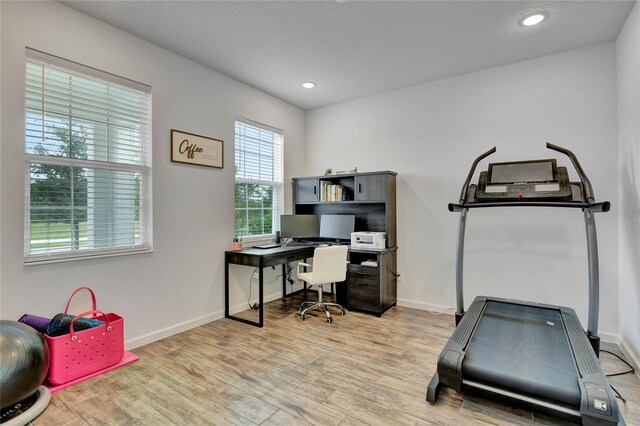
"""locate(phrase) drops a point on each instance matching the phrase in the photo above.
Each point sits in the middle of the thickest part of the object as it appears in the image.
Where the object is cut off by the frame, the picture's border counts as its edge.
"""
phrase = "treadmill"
(534, 353)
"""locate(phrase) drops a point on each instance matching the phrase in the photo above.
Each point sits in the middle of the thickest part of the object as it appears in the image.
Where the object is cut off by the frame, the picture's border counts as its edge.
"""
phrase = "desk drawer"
(364, 287)
(291, 257)
(364, 272)
(287, 256)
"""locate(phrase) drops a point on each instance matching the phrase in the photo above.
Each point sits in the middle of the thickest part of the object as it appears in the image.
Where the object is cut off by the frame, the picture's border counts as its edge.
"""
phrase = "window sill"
(43, 260)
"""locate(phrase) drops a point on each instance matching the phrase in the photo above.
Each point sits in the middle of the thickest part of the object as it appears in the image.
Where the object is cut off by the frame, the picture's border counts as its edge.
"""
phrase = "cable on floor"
(630, 371)
(624, 401)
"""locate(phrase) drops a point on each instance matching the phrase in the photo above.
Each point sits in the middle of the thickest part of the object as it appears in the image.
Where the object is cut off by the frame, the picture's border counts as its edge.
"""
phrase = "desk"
(261, 258)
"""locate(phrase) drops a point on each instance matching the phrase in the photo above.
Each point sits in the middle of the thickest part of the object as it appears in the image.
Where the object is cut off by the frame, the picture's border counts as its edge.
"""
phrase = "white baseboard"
(441, 309)
(171, 330)
(192, 323)
(608, 337)
(243, 306)
(632, 357)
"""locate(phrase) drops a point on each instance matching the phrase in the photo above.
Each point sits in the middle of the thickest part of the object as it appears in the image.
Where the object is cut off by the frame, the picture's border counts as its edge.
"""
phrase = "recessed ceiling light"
(533, 19)
(308, 85)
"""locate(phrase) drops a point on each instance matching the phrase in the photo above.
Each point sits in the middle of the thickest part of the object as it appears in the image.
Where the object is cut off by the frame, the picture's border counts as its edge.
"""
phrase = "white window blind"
(258, 171)
(87, 161)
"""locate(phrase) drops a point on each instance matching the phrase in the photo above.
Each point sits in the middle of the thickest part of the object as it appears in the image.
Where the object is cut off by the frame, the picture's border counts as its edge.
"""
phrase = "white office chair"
(329, 266)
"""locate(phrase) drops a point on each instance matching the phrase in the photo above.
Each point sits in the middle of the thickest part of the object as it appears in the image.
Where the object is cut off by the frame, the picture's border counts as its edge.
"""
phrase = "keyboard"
(298, 243)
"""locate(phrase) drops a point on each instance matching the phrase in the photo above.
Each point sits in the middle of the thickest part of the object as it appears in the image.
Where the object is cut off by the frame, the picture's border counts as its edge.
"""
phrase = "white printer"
(370, 240)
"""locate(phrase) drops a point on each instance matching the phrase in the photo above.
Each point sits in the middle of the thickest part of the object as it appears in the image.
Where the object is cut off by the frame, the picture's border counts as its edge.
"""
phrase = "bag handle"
(94, 312)
(93, 298)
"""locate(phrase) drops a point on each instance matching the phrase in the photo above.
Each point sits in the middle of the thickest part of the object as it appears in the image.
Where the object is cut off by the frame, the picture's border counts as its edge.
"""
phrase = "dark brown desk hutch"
(371, 198)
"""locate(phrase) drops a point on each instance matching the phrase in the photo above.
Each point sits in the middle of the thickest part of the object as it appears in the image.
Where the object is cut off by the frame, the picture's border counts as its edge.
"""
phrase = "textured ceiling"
(357, 48)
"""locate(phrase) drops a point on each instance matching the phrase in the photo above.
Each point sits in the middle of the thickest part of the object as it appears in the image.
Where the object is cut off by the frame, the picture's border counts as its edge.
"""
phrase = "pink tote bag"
(80, 353)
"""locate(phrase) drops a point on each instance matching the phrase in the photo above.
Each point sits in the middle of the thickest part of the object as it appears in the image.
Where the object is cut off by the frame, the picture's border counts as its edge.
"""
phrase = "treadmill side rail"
(597, 403)
(449, 371)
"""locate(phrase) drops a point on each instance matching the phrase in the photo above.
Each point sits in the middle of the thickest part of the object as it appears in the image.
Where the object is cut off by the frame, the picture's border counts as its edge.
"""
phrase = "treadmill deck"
(524, 348)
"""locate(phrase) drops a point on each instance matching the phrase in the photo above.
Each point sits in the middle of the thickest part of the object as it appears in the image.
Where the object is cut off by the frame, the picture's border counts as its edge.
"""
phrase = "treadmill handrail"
(594, 207)
(586, 183)
(467, 182)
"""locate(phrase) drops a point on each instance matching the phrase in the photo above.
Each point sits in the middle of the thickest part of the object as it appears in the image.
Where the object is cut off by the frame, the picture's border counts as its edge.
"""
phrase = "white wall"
(181, 283)
(430, 134)
(628, 55)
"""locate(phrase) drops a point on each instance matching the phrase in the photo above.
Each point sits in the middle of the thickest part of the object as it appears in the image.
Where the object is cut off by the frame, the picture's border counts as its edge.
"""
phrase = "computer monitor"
(299, 226)
(337, 226)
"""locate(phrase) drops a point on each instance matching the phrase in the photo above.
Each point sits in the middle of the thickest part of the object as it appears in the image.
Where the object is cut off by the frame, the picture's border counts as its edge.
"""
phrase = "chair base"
(319, 304)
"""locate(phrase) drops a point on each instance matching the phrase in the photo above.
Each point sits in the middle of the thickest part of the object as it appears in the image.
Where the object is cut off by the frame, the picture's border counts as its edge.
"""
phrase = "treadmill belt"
(523, 348)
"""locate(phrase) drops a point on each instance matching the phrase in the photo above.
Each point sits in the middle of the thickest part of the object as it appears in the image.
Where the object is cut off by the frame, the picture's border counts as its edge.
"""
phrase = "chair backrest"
(330, 264)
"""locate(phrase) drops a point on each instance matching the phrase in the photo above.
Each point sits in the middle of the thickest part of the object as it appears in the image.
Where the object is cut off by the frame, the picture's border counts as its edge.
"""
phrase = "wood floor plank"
(57, 413)
(367, 410)
(350, 421)
(359, 370)
(255, 409)
(300, 406)
(296, 383)
(282, 418)
(100, 410)
(399, 385)
(379, 395)
(492, 413)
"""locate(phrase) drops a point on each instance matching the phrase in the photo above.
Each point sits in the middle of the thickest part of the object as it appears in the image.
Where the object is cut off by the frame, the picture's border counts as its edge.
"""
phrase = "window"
(87, 161)
(258, 163)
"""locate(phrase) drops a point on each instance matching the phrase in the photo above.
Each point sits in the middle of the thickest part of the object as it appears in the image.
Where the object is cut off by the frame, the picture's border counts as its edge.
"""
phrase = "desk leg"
(226, 286)
(304, 283)
(227, 314)
(284, 280)
(261, 294)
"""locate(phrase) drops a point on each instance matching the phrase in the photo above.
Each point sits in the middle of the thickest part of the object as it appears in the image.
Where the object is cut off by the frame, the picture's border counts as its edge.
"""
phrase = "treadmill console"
(524, 180)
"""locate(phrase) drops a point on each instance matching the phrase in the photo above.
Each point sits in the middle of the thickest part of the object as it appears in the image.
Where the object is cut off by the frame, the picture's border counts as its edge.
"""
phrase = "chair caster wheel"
(342, 312)
(329, 320)
(302, 317)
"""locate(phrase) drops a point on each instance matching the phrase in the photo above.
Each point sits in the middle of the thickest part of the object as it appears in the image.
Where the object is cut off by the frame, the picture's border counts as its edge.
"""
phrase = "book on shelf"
(330, 191)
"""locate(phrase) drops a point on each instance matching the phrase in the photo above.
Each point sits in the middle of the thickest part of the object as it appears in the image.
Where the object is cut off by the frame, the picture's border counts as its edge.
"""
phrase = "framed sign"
(195, 149)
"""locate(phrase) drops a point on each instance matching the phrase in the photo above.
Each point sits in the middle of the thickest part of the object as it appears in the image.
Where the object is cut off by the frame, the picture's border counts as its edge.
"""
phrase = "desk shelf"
(370, 197)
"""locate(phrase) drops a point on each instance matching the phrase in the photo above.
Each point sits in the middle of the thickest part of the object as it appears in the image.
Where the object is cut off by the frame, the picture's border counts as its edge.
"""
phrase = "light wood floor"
(359, 370)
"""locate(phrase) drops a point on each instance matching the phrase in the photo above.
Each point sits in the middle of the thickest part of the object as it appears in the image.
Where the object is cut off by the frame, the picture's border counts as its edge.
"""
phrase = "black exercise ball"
(24, 362)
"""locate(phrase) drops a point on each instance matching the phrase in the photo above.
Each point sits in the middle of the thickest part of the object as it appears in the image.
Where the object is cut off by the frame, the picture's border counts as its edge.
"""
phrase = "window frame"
(278, 184)
(144, 169)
